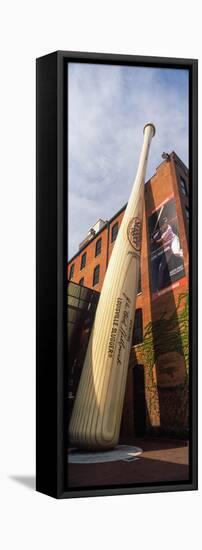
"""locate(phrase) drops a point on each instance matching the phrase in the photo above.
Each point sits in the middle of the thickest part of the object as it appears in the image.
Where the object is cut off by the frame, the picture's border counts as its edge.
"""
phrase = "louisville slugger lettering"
(96, 417)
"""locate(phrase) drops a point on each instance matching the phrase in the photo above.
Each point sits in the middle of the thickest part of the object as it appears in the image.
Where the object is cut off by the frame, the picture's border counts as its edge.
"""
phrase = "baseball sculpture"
(96, 417)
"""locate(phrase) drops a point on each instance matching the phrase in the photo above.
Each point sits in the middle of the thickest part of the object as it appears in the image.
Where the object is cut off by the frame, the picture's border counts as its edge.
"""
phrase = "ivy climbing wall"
(164, 354)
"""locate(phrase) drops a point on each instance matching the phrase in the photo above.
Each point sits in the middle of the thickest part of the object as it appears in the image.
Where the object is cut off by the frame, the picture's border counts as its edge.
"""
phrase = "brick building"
(156, 397)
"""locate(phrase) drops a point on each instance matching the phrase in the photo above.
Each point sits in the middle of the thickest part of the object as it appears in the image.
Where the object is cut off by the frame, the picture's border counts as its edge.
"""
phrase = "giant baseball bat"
(96, 416)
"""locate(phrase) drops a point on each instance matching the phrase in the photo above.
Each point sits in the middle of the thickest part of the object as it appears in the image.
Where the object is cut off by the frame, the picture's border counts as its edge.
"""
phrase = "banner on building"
(166, 254)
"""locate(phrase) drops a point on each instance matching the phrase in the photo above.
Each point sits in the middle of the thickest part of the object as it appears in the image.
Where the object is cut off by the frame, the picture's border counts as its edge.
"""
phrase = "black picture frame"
(51, 240)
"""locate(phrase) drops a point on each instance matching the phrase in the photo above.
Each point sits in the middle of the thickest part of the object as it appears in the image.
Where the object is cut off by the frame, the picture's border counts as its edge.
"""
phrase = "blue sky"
(108, 107)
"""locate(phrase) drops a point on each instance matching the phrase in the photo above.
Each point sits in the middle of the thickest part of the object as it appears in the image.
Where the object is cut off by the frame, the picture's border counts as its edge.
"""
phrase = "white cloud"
(108, 107)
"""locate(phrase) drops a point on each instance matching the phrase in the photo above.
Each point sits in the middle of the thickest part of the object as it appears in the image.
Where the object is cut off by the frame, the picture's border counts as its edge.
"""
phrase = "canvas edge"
(63, 56)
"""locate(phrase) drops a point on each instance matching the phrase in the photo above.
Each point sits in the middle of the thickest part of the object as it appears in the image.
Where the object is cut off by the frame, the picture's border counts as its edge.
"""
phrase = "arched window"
(83, 260)
(96, 275)
(98, 247)
(71, 273)
(115, 229)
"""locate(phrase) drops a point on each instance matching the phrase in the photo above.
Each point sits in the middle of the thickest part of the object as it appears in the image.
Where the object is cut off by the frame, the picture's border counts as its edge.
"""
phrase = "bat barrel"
(96, 417)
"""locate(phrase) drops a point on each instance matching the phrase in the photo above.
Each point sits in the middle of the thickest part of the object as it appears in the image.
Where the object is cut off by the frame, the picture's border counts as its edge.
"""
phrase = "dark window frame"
(183, 186)
(98, 247)
(187, 213)
(113, 237)
(137, 337)
(139, 286)
(95, 272)
(71, 272)
(83, 261)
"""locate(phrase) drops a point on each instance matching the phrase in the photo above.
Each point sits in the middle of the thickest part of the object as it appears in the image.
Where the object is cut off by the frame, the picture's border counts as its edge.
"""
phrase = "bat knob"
(152, 125)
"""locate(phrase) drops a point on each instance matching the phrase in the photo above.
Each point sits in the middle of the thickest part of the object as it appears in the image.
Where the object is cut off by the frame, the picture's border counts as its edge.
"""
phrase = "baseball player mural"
(166, 255)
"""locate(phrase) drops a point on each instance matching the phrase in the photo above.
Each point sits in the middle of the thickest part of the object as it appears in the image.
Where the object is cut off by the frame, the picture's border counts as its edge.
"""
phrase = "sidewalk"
(162, 460)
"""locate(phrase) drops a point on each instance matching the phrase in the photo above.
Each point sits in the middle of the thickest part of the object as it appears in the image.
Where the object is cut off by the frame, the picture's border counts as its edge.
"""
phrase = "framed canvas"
(116, 372)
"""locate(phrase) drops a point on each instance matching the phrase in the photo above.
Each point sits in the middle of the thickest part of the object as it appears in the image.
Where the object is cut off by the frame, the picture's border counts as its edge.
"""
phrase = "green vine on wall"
(167, 334)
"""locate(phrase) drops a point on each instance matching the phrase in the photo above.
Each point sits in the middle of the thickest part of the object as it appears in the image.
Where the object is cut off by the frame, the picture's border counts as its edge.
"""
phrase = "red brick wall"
(91, 262)
(119, 220)
(167, 407)
(161, 186)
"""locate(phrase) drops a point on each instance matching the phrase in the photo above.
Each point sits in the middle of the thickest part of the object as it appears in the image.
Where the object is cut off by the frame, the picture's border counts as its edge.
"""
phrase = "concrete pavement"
(162, 460)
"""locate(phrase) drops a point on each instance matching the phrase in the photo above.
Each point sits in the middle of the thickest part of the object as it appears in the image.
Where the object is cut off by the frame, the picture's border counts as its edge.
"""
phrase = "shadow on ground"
(161, 461)
(27, 481)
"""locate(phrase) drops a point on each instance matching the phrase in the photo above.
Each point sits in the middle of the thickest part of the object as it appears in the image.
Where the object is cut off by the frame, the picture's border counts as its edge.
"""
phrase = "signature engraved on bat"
(124, 332)
(134, 233)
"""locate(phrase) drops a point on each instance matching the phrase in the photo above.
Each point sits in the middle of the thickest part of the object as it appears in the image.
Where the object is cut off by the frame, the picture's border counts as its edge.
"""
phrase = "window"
(139, 288)
(81, 282)
(96, 275)
(83, 260)
(71, 273)
(98, 247)
(138, 328)
(183, 186)
(115, 229)
(187, 212)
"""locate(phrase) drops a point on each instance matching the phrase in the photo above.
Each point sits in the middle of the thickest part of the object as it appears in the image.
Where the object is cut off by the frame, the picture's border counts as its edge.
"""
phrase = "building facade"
(156, 398)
